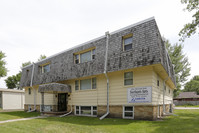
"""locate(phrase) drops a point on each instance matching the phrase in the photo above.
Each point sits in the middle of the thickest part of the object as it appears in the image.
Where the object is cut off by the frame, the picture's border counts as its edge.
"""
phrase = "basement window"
(29, 108)
(128, 78)
(127, 42)
(86, 110)
(84, 56)
(128, 112)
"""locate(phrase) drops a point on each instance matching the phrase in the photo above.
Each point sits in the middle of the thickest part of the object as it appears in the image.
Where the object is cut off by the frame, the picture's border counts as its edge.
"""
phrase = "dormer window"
(84, 56)
(45, 68)
(127, 42)
(93, 54)
(77, 59)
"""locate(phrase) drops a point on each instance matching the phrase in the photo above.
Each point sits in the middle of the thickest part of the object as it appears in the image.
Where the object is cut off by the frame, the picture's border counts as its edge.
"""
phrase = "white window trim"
(84, 114)
(123, 115)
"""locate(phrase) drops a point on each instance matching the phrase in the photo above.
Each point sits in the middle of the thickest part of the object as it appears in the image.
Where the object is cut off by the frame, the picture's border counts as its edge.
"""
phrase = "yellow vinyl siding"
(82, 97)
(29, 98)
(49, 99)
(117, 90)
(142, 77)
(157, 92)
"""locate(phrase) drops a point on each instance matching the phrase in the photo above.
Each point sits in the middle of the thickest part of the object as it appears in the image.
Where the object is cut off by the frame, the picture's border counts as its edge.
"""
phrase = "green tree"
(13, 81)
(42, 57)
(25, 64)
(190, 28)
(192, 85)
(3, 69)
(180, 63)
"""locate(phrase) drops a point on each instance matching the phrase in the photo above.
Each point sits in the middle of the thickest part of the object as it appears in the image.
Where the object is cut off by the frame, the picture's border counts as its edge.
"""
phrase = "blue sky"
(31, 28)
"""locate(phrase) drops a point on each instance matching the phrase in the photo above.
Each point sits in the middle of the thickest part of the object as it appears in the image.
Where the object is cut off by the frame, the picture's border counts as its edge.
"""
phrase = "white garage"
(11, 99)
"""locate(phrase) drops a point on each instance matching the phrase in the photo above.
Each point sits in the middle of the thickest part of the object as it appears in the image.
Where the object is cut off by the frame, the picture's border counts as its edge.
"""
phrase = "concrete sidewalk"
(23, 119)
(186, 107)
(11, 110)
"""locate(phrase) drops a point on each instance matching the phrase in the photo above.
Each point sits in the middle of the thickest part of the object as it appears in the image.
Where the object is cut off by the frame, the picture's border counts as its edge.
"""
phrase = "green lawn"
(186, 122)
(188, 105)
(16, 115)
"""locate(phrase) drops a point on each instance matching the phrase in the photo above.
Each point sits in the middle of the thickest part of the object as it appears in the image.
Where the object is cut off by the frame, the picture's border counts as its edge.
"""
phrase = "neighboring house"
(186, 98)
(125, 74)
(11, 99)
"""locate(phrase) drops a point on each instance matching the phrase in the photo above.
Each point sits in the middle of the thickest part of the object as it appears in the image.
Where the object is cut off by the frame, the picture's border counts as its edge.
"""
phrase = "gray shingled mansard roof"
(148, 49)
(187, 95)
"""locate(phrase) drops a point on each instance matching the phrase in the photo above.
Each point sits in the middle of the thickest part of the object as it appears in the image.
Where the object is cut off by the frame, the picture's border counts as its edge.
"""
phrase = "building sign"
(139, 94)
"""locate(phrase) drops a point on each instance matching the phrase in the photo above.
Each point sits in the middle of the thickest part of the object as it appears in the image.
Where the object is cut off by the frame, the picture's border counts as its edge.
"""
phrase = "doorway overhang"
(54, 87)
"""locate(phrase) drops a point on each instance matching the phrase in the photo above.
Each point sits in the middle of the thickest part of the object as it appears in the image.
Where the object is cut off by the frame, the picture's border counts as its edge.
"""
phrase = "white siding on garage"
(12, 100)
(0, 99)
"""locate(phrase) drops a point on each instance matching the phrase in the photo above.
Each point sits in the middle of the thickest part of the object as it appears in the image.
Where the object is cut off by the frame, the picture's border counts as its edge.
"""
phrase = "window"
(86, 84)
(127, 42)
(45, 68)
(93, 54)
(128, 78)
(158, 83)
(76, 59)
(47, 108)
(128, 112)
(86, 110)
(84, 57)
(29, 108)
(29, 91)
(77, 85)
(94, 84)
(27, 72)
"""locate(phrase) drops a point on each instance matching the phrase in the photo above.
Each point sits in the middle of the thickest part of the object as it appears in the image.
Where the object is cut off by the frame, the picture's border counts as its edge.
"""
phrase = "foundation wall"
(116, 111)
(38, 107)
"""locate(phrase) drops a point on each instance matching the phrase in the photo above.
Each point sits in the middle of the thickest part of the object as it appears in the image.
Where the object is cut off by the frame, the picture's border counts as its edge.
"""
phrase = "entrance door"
(62, 101)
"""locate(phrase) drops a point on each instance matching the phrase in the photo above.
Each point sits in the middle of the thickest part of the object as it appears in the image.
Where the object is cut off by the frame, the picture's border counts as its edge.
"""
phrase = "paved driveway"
(186, 107)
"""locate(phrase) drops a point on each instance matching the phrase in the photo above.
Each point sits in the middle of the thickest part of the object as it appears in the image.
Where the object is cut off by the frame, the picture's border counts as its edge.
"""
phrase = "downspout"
(164, 84)
(32, 76)
(105, 73)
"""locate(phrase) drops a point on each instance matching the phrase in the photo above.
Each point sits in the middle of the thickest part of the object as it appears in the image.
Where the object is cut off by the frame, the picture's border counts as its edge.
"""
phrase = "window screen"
(128, 78)
(128, 43)
(85, 57)
(85, 84)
